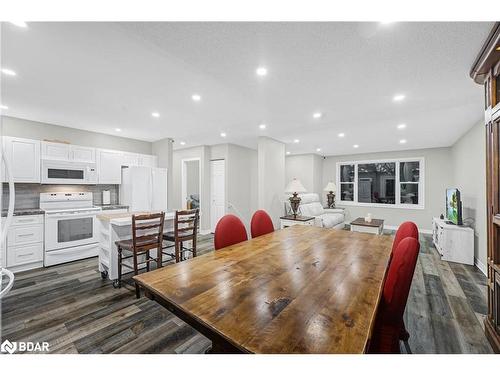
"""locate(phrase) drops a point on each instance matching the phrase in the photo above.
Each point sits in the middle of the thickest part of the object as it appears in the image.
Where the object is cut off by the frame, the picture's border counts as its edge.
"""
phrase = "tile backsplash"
(28, 195)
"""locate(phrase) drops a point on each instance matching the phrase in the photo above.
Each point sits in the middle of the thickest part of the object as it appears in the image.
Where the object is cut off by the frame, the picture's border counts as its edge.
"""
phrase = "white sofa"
(310, 205)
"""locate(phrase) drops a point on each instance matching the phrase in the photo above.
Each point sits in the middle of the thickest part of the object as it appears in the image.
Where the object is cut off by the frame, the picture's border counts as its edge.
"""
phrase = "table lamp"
(332, 189)
(295, 187)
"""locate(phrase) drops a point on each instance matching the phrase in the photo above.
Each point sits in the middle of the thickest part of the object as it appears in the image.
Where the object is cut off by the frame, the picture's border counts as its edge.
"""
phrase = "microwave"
(68, 172)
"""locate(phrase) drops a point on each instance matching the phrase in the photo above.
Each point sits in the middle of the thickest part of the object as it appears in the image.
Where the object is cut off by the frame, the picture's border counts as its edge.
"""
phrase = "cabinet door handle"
(25, 255)
(26, 235)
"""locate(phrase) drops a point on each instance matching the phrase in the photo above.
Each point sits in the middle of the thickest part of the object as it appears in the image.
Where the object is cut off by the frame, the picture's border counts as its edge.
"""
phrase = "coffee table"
(376, 226)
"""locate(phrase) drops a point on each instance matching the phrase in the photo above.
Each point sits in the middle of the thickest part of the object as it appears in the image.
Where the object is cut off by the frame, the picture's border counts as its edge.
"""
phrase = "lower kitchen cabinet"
(25, 245)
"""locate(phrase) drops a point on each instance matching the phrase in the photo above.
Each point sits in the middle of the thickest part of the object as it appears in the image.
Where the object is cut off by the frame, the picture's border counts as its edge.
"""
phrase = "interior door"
(217, 191)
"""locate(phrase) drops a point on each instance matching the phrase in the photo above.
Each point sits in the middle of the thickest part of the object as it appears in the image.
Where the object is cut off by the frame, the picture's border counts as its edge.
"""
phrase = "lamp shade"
(330, 187)
(295, 186)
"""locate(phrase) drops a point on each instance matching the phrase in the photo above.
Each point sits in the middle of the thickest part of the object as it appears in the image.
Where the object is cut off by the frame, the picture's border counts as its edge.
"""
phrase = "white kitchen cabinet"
(24, 157)
(130, 159)
(24, 245)
(67, 152)
(55, 151)
(147, 160)
(82, 154)
(109, 166)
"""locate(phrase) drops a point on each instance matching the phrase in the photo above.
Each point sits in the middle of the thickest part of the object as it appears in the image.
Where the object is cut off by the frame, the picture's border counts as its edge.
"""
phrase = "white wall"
(192, 177)
(438, 177)
(469, 170)
(16, 127)
(271, 177)
(163, 149)
(241, 182)
(308, 168)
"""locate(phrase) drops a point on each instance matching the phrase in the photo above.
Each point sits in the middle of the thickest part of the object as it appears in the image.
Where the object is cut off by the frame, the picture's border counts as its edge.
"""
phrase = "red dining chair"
(229, 231)
(261, 224)
(407, 229)
(389, 318)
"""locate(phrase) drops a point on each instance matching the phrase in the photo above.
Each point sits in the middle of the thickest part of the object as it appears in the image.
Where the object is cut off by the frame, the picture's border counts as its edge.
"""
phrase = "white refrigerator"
(144, 188)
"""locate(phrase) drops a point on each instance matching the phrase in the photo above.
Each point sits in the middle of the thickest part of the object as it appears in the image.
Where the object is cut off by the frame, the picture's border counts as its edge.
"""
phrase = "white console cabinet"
(454, 243)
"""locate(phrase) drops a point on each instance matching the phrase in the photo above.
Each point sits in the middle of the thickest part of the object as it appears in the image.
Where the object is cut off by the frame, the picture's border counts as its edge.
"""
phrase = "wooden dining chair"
(185, 229)
(407, 229)
(147, 230)
(389, 318)
(229, 231)
(261, 224)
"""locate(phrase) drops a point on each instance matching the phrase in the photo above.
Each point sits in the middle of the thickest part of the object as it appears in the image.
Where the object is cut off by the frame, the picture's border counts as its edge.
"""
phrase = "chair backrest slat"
(147, 231)
(186, 223)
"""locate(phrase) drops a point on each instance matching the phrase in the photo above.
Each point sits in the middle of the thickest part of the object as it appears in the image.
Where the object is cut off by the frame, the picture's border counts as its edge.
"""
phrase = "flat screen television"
(453, 206)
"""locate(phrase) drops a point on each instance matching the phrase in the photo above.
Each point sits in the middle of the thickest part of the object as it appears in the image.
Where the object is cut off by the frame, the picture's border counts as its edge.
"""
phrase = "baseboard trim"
(394, 227)
(204, 231)
(481, 266)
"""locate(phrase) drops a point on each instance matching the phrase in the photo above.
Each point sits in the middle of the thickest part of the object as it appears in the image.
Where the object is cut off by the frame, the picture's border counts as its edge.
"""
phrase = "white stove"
(70, 227)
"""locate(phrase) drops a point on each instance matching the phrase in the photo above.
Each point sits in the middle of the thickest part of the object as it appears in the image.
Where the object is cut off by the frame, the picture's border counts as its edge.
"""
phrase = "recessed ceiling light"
(155, 114)
(2, 106)
(296, 141)
(398, 97)
(498, 48)
(318, 149)
(8, 72)
(386, 22)
(402, 141)
(261, 71)
(196, 97)
(288, 152)
(223, 134)
(183, 143)
(118, 130)
(341, 135)
(401, 126)
(262, 126)
(19, 23)
(317, 115)
(355, 146)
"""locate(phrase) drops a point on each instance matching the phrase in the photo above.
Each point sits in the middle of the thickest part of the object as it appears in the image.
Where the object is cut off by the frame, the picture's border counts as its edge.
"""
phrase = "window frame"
(398, 182)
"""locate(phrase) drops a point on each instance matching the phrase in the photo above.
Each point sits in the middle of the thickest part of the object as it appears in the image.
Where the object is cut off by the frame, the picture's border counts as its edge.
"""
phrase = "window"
(347, 182)
(386, 183)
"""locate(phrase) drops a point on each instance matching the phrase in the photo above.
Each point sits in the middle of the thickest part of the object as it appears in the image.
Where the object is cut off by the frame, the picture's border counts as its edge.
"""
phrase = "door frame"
(183, 180)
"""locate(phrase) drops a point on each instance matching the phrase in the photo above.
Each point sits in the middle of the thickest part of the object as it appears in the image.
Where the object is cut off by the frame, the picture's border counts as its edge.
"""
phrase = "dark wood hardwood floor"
(76, 312)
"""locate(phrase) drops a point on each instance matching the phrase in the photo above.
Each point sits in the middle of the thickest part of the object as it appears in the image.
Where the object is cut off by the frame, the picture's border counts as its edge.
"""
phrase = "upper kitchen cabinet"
(147, 160)
(130, 159)
(82, 154)
(109, 166)
(67, 152)
(55, 151)
(23, 156)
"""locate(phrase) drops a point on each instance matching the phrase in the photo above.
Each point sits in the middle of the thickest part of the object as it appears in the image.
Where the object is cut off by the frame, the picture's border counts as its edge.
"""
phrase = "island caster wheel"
(117, 284)
(104, 275)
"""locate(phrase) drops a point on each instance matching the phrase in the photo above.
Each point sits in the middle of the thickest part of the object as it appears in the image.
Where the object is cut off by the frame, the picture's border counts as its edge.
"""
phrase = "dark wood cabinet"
(486, 71)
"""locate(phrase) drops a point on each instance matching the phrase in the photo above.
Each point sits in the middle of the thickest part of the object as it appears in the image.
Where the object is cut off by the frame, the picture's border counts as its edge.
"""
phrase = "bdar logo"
(8, 347)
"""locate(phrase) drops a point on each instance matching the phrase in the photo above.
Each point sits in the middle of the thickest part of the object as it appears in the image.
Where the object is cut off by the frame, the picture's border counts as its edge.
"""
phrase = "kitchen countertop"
(24, 211)
(105, 207)
(125, 218)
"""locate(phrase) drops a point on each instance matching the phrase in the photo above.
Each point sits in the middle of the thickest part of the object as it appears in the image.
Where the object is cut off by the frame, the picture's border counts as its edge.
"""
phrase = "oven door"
(69, 229)
(61, 172)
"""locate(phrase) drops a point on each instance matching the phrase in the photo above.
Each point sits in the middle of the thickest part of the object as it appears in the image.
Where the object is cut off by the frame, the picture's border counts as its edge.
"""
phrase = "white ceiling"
(102, 76)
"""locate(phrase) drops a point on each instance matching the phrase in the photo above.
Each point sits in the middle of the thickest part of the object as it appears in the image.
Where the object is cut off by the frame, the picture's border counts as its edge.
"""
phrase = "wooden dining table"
(301, 289)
